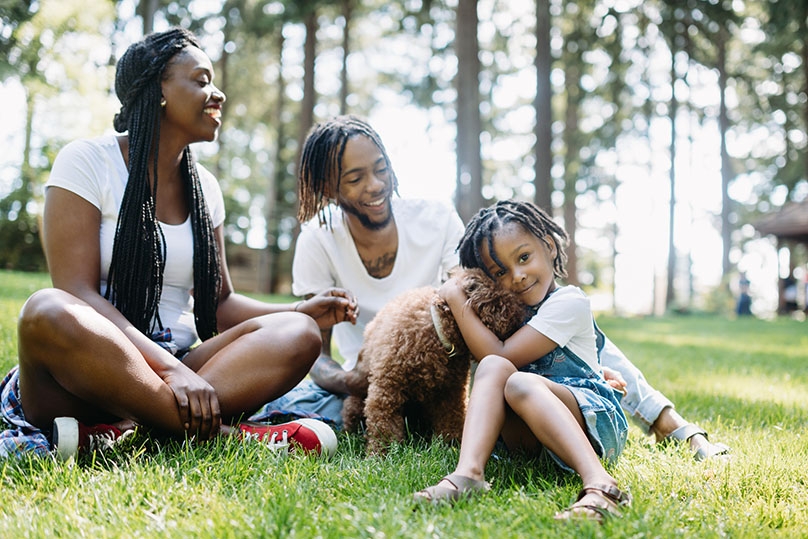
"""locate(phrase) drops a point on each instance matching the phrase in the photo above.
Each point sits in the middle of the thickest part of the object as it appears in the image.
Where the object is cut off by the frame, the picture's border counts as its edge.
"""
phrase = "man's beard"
(364, 220)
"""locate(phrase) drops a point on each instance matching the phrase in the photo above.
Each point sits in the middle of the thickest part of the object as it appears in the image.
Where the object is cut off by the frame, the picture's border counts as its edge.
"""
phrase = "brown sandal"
(463, 486)
(613, 496)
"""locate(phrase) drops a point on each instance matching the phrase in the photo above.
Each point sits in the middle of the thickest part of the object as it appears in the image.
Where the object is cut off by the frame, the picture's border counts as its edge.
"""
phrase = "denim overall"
(606, 425)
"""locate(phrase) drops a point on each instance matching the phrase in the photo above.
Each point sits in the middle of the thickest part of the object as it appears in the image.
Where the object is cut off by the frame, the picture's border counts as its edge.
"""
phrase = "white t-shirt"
(428, 234)
(95, 170)
(566, 319)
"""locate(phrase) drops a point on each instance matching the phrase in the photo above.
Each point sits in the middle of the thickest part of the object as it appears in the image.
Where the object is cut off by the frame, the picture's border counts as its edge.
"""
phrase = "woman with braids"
(542, 389)
(134, 242)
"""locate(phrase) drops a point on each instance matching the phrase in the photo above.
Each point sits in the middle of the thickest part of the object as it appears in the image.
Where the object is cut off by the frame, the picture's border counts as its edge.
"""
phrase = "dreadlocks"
(135, 278)
(482, 226)
(321, 164)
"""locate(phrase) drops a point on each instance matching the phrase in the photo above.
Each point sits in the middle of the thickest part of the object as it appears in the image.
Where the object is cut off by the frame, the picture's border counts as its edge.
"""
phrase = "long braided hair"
(482, 226)
(321, 164)
(135, 278)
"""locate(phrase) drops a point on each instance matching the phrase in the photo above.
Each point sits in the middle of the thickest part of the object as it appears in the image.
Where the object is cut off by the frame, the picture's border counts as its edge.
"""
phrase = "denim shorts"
(605, 423)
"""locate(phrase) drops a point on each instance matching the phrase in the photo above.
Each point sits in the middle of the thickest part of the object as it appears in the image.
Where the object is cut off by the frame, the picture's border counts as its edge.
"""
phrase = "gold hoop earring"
(163, 102)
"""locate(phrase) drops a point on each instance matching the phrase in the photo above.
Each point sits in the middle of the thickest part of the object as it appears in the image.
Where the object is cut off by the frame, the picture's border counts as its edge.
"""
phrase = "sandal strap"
(464, 484)
(610, 492)
(685, 433)
(602, 512)
(714, 450)
(613, 496)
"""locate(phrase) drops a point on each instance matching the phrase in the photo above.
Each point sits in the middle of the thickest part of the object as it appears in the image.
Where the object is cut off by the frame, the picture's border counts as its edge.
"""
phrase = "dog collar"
(451, 351)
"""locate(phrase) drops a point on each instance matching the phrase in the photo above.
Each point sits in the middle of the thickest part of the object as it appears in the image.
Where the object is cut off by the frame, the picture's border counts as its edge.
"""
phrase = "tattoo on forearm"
(324, 367)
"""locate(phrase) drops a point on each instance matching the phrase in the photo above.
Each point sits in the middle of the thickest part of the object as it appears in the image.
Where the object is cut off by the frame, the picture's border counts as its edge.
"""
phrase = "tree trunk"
(543, 129)
(674, 107)
(803, 31)
(571, 166)
(223, 75)
(26, 171)
(147, 10)
(268, 281)
(468, 195)
(309, 96)
(347, 11)
(726, 165)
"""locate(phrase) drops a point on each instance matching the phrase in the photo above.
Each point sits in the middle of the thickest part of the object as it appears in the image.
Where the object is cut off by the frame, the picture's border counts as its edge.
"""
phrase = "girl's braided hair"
(321, 164)
(135, 278)
(482, 226)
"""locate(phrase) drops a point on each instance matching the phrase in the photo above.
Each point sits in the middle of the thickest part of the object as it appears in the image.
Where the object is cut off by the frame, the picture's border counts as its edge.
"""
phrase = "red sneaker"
(71, 437)
(309, 435)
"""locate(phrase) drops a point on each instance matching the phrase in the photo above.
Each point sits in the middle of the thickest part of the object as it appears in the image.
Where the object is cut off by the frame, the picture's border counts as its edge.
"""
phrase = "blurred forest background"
(658, 131)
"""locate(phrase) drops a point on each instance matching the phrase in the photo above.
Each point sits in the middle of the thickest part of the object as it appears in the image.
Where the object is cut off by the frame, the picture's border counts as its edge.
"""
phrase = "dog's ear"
(473, 279)
(500, 309)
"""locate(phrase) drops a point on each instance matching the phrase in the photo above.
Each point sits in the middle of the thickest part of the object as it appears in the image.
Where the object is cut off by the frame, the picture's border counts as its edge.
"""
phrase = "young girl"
(558, 403)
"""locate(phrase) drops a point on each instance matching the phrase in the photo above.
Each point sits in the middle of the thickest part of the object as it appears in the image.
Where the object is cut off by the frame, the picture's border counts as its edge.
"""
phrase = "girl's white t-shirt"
(95, 170)
(566, 319)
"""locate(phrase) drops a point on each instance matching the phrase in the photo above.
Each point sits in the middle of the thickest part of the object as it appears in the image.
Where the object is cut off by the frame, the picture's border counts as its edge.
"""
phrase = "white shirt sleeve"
(312, 267)
(77, 168)
(566, 319)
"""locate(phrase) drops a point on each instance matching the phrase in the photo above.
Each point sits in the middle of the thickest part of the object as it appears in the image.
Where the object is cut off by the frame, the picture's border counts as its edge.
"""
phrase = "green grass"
(745, 381)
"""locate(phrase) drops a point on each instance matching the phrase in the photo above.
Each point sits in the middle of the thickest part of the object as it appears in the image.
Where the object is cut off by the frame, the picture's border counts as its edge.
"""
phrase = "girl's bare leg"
(484, 418)
(551, 413)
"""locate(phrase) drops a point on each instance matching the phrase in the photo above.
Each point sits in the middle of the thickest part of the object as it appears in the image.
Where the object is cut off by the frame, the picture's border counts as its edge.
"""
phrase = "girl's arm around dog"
(523, 347)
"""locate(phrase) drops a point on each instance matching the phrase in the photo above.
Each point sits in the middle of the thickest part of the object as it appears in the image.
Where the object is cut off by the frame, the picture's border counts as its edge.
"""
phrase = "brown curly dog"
(417, 364)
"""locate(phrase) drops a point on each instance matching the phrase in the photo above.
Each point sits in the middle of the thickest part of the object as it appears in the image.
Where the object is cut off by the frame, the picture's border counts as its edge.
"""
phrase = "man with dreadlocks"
(134, 242)
(358, 236)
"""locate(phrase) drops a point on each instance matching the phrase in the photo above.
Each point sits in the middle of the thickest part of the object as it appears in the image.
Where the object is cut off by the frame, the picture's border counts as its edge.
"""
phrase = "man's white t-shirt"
(95, 170)
(566, 319)
(428, 234)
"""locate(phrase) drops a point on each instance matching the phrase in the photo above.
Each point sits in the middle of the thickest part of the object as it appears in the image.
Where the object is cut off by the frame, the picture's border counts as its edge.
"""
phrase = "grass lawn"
(745, 381)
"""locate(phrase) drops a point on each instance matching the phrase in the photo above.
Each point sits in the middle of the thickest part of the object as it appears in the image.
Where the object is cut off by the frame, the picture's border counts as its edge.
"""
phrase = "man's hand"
(330, 307)
(614, 379)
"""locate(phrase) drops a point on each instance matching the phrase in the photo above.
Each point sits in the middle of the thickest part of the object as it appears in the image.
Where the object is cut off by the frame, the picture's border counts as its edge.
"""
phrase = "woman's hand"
(197, 402)
(330, 307)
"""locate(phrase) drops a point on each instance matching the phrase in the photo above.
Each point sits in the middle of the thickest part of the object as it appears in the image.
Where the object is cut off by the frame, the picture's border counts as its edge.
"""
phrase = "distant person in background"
(744, 305)
(358, 235)
(789, 295)
(805, 290)
(133, 235)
